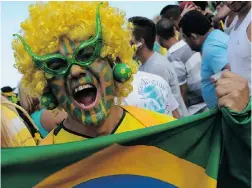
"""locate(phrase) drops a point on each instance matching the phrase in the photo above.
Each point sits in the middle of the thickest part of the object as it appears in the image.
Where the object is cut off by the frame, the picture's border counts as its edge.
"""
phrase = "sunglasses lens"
(57, 64)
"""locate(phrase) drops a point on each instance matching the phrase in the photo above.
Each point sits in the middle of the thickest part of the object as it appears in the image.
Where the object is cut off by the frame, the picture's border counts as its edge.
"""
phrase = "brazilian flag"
(209, 150)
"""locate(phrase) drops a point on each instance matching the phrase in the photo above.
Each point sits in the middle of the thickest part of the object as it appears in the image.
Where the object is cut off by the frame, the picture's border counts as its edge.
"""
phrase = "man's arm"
(181, 72)
(175, 114)
(249, 32)
(184, 91)
(233, 93)
(49, 120)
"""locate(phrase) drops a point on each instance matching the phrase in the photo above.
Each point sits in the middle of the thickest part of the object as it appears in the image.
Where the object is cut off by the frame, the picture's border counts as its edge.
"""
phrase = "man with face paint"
(77, 56)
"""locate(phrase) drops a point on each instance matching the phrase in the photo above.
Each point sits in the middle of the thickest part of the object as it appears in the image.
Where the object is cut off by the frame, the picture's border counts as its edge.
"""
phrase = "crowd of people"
(86, 74)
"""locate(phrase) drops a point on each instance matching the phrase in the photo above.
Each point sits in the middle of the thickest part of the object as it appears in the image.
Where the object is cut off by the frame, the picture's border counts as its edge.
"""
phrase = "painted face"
(138, 45)
(236, 6)
(86, 94)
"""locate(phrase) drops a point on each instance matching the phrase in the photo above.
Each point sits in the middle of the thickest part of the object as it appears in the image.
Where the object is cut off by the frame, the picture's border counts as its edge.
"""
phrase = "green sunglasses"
(57, 64)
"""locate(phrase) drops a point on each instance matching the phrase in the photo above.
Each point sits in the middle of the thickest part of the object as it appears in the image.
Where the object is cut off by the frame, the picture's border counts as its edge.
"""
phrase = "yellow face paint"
(99, 75)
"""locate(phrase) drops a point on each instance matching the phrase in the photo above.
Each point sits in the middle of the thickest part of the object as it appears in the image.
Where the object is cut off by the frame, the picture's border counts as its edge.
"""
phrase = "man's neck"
(204, 38)
(206, 35)
(146, 54)
(170, 42)
(106, 128)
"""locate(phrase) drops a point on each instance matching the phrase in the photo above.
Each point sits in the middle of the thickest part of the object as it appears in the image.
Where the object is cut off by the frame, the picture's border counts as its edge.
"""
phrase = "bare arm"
(249, 32)
(184, 90)
(49, 120)
(176, 114)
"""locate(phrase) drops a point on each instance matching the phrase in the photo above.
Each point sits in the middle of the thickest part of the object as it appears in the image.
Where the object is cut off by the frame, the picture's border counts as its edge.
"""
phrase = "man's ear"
(142, 42)
(194, 36)
(174, 29)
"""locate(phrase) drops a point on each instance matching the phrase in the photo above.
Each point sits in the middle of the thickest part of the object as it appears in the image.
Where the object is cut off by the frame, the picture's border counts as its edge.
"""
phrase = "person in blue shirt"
(198, 32)
(45, 120)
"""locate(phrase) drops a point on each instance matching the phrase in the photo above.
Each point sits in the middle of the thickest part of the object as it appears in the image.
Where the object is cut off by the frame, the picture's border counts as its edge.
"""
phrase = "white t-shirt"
(160, 66)
(151, 92)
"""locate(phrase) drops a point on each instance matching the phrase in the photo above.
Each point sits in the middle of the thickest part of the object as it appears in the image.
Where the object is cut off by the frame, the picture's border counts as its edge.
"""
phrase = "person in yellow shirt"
(14, 132)
(8, 92)
(80, 59)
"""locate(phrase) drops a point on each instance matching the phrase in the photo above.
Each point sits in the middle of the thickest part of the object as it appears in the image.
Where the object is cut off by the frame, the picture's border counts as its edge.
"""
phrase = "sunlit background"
(13, 13)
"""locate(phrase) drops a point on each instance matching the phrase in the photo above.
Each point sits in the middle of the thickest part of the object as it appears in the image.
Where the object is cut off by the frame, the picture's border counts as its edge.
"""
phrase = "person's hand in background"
(188, 7)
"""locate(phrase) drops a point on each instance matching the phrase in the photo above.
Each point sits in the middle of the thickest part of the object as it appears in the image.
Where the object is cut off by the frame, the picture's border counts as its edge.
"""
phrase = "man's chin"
(94, 120)
(196, 49)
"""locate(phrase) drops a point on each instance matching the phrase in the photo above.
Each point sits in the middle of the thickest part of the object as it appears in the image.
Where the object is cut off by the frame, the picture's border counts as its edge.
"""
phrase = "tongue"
(88, 98)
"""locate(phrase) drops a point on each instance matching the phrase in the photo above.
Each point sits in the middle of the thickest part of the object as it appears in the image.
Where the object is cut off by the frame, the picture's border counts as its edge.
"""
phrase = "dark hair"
(144, 28)
(170, 12)
(7, 89)
(165, 28)
(194, 22)
(202, 4)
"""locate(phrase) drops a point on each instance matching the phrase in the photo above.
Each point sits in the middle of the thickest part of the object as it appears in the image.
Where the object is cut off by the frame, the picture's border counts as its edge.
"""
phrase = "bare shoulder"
(249, 32)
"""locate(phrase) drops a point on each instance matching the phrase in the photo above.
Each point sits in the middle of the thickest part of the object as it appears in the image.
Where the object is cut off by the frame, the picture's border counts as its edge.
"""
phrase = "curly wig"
(49, 22)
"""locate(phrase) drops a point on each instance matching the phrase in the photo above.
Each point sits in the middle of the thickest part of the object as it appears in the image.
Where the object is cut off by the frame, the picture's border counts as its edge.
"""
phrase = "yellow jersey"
(14, 132)
(128, 122)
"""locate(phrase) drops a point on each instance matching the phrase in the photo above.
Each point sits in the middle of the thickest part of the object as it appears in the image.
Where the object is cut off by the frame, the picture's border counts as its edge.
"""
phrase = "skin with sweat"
(98, 74)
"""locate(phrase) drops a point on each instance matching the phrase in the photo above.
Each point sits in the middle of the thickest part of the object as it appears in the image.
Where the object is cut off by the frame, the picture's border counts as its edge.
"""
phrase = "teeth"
(83, 87)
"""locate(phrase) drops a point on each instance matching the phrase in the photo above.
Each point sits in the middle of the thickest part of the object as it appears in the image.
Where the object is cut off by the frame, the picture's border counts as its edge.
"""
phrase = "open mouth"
(86, 95)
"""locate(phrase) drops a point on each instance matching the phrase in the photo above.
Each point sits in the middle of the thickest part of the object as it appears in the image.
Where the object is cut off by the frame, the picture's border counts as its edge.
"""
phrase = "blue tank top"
(36, 117)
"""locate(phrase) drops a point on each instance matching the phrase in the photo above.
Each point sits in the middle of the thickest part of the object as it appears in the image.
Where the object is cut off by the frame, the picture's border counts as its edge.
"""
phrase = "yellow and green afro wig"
(49, 22)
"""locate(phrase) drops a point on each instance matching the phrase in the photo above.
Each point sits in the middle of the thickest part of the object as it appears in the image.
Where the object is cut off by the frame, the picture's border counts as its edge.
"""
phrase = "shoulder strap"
(48, 140)
(146, 119)
(248, 19)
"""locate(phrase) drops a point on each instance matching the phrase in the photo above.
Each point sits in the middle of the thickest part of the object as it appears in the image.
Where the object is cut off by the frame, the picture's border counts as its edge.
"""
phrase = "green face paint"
(92, 106)
(100, 76)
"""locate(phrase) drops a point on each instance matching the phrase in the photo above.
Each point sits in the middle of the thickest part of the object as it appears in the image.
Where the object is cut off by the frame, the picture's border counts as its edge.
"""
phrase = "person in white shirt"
(187, 64)
(224, 13)
(144, 35)
(153, 93)
(239, 46)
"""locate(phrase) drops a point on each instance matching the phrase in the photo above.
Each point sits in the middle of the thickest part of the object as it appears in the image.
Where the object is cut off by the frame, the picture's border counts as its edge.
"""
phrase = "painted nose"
(77, 71)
